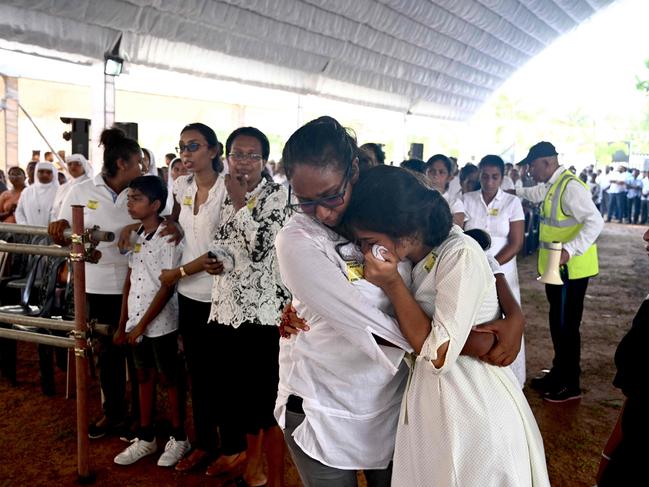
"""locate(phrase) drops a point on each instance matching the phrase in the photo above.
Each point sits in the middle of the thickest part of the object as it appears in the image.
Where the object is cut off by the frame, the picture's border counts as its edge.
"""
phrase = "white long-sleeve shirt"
(350, 385)
(577, 202)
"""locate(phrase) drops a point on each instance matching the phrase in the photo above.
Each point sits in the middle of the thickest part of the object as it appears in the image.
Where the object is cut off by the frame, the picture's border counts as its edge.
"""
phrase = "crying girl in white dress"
(463, 422)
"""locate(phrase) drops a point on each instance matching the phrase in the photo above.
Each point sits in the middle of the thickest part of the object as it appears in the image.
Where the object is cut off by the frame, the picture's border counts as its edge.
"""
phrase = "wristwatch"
(182, 271)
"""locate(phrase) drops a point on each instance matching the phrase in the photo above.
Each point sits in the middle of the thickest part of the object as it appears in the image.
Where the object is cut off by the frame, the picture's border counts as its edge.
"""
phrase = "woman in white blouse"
(501, 215)
(341, 382)
(463, 422)
(439, 171)
(199, 198)
(79, 170)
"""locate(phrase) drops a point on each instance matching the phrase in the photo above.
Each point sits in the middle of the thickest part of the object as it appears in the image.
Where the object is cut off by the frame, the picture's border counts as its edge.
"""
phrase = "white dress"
(466, 424)
(495, 219)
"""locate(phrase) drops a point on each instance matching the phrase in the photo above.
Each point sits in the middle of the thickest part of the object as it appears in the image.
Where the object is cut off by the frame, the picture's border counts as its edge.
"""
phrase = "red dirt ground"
(38, 432)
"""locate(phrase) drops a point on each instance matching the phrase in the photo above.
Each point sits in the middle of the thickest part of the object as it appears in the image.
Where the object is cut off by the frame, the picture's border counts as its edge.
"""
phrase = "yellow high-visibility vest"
(556, 226)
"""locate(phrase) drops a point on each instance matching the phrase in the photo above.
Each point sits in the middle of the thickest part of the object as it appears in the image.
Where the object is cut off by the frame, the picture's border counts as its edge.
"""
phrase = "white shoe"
(174, 451)
(137, 449)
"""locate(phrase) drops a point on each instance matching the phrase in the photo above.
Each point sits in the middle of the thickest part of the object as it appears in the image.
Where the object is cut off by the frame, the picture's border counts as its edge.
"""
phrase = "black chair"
(50, 305)
(25, 307)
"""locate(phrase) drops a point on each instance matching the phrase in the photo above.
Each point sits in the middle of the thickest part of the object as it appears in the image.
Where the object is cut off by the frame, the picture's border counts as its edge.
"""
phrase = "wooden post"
(80, 351)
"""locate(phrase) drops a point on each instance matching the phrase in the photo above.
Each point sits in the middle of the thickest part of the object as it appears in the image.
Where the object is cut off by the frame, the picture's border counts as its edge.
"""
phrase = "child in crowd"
(149, 322)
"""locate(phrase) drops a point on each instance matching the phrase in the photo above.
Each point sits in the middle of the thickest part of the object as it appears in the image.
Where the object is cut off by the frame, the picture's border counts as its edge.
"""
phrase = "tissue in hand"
(378, 250)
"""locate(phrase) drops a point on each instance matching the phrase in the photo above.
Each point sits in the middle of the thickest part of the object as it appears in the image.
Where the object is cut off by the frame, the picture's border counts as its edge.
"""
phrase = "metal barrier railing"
(51, 323)
(83, 243)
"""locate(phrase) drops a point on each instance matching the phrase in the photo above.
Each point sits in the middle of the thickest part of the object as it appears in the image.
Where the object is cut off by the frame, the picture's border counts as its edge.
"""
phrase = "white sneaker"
(174, 451)
(137, 449)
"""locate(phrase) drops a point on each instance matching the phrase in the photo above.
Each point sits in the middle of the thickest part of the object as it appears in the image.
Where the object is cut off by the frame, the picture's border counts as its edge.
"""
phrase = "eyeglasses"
(240, 157)
(308, 207)
(191, 147)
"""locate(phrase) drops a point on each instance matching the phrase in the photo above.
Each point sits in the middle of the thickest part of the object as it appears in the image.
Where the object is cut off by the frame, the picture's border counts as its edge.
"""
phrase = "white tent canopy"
(440, 58)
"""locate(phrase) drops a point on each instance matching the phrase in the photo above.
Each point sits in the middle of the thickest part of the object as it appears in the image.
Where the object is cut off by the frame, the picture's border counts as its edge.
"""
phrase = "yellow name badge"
(137, 248)
(252, 203)
(354, 271)
(430, 261)
(92, 204)
(493, 212)
(188, 201)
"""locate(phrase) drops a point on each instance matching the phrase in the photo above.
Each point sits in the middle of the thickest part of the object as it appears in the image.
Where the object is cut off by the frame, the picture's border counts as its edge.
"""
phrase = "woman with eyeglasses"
(199, 198)
(341, 382)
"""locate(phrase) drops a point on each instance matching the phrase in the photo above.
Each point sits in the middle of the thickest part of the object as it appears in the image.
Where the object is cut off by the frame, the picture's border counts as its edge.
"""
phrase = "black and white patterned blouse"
(253, 291)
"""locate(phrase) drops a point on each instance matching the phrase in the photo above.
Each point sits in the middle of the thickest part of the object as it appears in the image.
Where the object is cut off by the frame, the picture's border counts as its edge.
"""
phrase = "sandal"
(195, 459)
(222, 466)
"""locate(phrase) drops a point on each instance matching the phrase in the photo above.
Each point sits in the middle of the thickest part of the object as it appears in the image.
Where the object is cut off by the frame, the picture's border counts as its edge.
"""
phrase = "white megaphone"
(552, 274)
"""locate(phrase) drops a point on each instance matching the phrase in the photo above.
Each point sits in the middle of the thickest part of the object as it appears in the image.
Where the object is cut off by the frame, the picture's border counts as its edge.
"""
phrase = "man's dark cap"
(542, 149)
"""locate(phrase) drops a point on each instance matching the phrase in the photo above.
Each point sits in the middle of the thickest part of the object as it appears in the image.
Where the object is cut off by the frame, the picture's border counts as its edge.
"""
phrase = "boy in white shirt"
(149, 322)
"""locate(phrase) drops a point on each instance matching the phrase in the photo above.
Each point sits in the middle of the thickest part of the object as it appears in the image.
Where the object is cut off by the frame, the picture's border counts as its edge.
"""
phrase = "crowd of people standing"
(395, 290)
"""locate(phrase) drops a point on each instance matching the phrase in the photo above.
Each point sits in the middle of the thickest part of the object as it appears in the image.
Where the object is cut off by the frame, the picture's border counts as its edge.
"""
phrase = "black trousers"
(566, 309)
(205, 372)
(112, 359)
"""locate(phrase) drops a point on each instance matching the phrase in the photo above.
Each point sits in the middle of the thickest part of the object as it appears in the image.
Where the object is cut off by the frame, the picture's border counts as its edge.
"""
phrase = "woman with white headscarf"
(79, 171)
(36, 201)
(148, 161)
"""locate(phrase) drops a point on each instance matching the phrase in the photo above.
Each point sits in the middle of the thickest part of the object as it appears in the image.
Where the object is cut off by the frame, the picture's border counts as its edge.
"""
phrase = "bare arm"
(413, 322)
(508, 330)
(170, 277)
(120, 335)
(514, 242)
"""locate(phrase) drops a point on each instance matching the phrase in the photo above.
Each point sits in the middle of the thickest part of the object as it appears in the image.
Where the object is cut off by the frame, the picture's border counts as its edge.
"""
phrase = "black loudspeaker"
(79, 134)
(416, 151)
(129, 128)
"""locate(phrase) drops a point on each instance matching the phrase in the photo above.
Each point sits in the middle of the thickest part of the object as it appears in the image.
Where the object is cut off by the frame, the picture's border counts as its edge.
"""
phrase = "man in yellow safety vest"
(568, 216)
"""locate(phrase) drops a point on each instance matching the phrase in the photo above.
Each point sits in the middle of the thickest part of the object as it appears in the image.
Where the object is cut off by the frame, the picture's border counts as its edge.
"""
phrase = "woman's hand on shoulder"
(56, 229)
(381, 273)
(173, 230)
(124, 243)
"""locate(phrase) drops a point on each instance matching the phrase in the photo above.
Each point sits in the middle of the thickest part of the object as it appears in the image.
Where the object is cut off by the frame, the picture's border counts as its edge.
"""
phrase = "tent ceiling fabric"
(440, 58)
